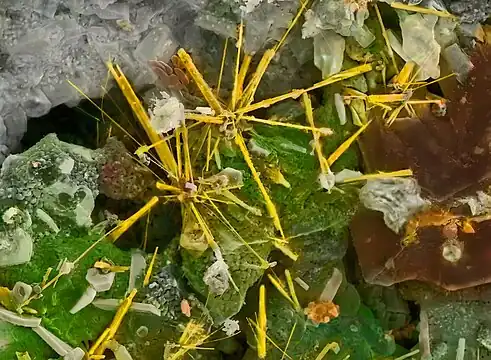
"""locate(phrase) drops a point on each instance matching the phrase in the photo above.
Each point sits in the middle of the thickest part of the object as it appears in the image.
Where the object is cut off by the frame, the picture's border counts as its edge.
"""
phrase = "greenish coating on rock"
(50, 186)
(359, 336)
(320, 221)
(19, 339)
(57, 301)
(27, 179)
(387, 305)
(316, 219)
(48, 193)
(245, 268)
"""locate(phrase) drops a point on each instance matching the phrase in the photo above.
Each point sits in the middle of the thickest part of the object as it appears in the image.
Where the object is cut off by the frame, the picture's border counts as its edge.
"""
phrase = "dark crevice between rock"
(71, 125)
(164, 223)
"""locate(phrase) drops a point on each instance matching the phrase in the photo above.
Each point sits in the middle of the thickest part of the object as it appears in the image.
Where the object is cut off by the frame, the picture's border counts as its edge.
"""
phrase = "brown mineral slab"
(450, 157)
(384, 261)
(447, 154)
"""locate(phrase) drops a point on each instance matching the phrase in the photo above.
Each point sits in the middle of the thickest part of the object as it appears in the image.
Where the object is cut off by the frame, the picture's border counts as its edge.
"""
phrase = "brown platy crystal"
(450, 156)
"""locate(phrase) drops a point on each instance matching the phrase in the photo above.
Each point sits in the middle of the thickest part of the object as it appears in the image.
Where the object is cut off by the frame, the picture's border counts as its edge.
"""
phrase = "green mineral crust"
(47, 198)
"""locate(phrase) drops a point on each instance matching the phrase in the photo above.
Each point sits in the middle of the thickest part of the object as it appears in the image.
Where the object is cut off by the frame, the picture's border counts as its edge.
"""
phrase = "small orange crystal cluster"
(322, 311)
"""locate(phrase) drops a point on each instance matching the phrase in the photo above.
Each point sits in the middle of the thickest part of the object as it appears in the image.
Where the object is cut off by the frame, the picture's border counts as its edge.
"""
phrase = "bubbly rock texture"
(470, 10)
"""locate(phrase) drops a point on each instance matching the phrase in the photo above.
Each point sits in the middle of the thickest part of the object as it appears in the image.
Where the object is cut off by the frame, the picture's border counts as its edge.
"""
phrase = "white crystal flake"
(166, 114)
(231, 327)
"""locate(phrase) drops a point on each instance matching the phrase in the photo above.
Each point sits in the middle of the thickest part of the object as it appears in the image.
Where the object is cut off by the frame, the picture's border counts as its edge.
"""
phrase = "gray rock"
(458, 61)
(47, 42)
(470, 11)
(344, 17)
(220, 26)
(159, 43)
(36, 103)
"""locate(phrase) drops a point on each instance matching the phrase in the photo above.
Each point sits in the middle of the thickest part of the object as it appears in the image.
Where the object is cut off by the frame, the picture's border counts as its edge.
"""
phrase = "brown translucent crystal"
(450, 156)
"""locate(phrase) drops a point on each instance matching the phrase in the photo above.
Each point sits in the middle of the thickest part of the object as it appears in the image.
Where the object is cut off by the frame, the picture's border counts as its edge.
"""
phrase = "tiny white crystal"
(217, 275)
(205, 110)
(166, 114)
(231, 327)
(327, 180)
(66, 267)
(9, 214)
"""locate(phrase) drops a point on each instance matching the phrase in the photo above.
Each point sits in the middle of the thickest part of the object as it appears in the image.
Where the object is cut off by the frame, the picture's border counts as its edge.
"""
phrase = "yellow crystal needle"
(261, 68)
(200, 81)
(146, 281)
(261, 324)
(318, 147)
(239, 140)
(204, 118)
(235, 90)
(163, 150)
(291, 288)
(345, 145)
(343, 75)
(126, 224)
(222, 66)
(422, 10)
(281, 289)
(244, 68)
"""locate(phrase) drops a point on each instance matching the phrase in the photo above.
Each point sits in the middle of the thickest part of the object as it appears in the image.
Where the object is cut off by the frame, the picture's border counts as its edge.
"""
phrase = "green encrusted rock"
(54, 176)
(387, 305)
(49, 187)
(244, 265)
(314, 219)
(449, 327)
(358, 335)
(47, 196)
(19, 339)
(55, 304)
(318, 223)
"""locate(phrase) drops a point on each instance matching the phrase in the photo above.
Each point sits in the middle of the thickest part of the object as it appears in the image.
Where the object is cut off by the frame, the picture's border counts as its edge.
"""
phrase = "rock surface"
(470, 10)
(47, 42)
